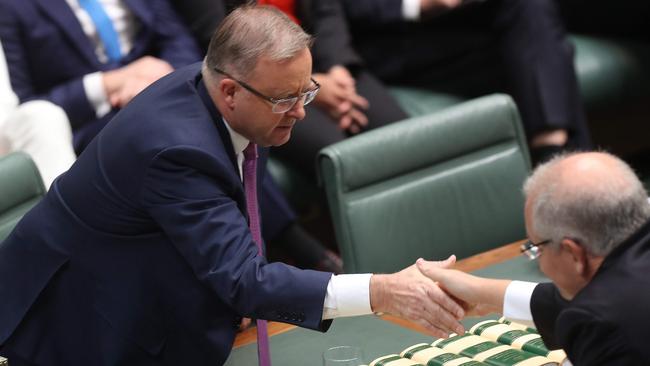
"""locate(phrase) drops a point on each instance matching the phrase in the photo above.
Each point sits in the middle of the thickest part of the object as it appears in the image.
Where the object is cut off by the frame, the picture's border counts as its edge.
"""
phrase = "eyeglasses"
(280, 105)
(531, 250)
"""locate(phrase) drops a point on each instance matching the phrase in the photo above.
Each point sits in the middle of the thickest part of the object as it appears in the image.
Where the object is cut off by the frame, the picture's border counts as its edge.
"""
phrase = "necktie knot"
(250, 152)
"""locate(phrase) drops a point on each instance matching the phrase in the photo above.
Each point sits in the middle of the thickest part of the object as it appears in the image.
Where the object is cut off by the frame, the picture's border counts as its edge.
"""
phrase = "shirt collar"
(239, 142)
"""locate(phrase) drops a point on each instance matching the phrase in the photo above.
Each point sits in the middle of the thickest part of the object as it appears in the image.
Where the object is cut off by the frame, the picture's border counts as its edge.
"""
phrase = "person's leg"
(384, 108)
(538, 67)
(41, 129)
(310, 135)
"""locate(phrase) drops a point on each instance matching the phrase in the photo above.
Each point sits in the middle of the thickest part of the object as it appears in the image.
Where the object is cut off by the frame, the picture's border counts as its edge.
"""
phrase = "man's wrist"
(377, 292)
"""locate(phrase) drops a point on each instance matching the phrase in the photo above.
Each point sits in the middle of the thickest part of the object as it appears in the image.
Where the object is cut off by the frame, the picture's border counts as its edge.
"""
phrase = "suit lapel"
(61, 13)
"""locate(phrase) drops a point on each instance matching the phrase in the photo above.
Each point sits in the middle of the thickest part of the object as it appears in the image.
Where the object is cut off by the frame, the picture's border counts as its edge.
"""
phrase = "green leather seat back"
(611, 70)
(21, 188)
(428, 187)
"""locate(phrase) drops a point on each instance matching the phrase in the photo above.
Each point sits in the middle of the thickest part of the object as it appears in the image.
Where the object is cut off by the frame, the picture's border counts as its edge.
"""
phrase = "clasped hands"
(338, 97)
(435, 296)
(122, 84)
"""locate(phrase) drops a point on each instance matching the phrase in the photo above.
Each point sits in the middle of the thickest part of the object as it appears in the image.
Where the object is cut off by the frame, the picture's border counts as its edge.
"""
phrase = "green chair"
(21, 188)
(428, 187)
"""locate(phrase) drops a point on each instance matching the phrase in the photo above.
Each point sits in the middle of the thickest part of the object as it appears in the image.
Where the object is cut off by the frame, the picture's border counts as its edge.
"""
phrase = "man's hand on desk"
(410, 295)
(478, 296)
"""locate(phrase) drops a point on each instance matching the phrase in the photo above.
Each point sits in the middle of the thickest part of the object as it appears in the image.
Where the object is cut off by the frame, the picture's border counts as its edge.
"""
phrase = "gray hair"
(250, 32)
(599, 215)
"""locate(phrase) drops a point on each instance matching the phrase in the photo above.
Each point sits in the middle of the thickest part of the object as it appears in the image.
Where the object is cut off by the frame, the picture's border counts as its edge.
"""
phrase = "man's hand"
(410, 295)
(478, 296)
(339, 98)
(122, 84)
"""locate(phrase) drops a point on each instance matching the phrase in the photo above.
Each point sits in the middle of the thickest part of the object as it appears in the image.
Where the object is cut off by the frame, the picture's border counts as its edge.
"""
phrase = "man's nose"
(298, 110)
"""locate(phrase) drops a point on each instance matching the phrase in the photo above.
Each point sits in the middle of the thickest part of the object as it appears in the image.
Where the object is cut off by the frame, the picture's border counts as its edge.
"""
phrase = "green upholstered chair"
(21, 188)
(428, 187)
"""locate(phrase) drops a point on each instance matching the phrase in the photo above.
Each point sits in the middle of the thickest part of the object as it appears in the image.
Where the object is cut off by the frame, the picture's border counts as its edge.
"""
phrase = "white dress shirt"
(516, 302)
(348, 294)
(126, 26)
(411, 10)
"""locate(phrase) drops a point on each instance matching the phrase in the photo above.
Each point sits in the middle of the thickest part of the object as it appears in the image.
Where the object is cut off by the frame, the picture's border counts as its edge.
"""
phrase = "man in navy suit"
(59, 50)
(141, 254)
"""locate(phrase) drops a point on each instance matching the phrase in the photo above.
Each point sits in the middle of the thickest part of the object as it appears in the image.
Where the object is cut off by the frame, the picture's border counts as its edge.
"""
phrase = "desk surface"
(295, 346)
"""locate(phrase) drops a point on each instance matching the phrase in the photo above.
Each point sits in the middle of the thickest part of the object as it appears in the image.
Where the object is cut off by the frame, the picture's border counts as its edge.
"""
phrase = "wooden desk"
(470, 264)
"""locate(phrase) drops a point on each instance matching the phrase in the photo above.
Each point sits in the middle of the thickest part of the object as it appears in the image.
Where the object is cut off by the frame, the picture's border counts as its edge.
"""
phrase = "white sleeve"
(94, 88)
(516, 302)
(347, 295)
(411, 9)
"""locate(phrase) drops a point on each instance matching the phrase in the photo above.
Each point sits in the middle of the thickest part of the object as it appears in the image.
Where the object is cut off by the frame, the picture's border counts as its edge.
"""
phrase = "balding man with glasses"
(587, 218)
(148, 250)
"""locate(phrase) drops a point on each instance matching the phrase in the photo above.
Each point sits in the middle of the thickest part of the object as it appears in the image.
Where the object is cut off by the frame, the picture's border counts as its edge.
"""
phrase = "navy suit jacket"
(141, 252)
(606, 323)
(48, 53)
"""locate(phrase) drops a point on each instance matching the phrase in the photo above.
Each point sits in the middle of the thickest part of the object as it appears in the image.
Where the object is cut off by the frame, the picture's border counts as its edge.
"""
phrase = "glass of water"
(343, 356)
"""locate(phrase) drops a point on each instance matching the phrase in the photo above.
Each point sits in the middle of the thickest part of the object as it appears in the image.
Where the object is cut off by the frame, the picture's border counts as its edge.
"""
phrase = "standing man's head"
(258, 73)
(580, 207)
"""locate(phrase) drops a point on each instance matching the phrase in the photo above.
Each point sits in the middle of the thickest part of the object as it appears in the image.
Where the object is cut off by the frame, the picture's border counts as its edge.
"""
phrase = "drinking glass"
(343, 356)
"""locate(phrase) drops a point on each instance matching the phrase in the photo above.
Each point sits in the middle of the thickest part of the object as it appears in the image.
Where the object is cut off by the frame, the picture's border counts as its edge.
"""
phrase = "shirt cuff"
(516, 302)
(347, 295)
(411, 9)
(94, 88)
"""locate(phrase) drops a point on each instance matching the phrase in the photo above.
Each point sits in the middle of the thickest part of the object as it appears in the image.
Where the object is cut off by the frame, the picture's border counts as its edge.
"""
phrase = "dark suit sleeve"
(333, 44)
(373, 11)
(69, 95)
(189, 195)
(546, 305)
(174, 41)
(590, 341)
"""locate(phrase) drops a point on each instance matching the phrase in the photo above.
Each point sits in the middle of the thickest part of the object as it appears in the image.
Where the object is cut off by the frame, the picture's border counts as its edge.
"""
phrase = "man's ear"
(578, 255)
(228, 88)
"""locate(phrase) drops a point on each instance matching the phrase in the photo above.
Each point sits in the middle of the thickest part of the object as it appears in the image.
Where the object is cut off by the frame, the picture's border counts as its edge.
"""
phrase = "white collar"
(239, 142)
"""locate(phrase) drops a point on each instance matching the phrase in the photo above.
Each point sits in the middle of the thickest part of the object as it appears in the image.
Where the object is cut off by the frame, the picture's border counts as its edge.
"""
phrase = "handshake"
(435, 296)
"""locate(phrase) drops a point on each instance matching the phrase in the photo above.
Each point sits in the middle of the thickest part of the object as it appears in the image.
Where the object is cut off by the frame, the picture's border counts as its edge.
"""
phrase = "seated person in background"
(38, 128)
(90, 57)
(157, 260)
(587, 221)
(351, 99)
(441, 44)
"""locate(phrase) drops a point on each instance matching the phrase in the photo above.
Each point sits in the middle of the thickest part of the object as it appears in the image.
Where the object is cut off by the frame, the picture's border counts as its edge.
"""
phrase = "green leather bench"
(434, 185)
(21, 188)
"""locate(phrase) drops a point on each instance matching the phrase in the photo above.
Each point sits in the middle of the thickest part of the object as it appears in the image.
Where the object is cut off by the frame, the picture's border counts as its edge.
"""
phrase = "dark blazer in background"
(326, 21)
(48, 53)
(517, 46)
(606, 323)
(141, 254)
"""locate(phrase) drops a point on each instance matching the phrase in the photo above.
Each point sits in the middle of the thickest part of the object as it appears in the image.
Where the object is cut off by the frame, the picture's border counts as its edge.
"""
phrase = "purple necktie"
(250, 185)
